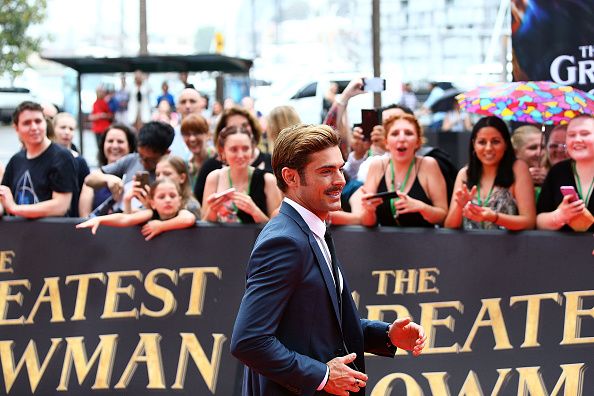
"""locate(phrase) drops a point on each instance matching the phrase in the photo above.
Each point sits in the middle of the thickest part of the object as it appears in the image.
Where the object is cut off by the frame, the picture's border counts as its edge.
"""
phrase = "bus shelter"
(154, 64)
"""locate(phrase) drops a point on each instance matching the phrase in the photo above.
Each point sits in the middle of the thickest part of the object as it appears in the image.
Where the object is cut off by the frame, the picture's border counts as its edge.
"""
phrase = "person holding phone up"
(250, 194)
(557, 211)
(419, 186)
(495, 190)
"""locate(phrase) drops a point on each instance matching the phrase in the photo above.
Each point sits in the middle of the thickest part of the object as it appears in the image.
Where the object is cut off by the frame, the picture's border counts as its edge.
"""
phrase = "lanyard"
(250, 172)
(249, 179)
(478, 193)
(393, 201)
(585, 198)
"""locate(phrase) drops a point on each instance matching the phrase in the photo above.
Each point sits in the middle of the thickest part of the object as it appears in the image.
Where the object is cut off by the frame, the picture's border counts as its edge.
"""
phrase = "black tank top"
(384, 213)
(258, 196)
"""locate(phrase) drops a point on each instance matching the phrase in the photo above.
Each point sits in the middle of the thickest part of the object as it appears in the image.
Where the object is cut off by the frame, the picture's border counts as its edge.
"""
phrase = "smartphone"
(374, 84)
(569, 190)
(143, 178)
(225, 192)
(384, 195)
(369, 119)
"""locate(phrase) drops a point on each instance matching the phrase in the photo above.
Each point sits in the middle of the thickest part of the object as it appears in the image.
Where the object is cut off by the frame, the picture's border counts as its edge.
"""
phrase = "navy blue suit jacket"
(288, 325)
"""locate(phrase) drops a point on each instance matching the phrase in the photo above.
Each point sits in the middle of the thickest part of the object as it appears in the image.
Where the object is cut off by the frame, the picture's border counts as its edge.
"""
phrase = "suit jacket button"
(339, 352)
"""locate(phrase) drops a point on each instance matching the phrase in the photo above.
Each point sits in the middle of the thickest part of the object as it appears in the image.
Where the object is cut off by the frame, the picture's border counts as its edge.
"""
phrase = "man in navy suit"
(298, 330)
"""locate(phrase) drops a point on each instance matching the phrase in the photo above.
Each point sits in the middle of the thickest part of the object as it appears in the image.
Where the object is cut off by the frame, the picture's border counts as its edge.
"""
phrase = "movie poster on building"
(553, 40)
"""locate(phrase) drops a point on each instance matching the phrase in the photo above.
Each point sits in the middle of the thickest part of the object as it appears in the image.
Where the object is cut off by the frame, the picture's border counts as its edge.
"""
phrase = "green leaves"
(16, 16)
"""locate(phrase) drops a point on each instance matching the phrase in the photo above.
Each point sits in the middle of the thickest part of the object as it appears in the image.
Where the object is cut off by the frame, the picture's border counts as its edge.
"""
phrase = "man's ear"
(290, 176)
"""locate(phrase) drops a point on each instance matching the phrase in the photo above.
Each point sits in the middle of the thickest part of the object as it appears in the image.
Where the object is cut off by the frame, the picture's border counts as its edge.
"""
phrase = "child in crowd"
(167, 213)
(174, 168)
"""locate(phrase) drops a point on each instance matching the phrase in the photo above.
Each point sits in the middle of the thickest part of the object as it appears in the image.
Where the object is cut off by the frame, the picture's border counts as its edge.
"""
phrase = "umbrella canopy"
(535, 102)
(446, 101)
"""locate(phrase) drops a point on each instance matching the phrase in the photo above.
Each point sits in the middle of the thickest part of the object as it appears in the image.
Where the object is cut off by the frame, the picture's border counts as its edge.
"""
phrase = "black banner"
(554, 41)
(112, 314)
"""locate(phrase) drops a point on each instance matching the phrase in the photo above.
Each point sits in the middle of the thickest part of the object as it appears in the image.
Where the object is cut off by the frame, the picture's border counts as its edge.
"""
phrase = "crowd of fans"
(168, 170)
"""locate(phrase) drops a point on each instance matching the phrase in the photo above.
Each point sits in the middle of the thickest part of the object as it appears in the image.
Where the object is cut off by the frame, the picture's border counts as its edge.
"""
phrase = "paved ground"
(9, 144)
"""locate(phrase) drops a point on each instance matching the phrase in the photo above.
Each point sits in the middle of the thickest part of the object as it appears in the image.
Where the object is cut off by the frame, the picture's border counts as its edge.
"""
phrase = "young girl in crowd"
(174, 168)
(167, 213)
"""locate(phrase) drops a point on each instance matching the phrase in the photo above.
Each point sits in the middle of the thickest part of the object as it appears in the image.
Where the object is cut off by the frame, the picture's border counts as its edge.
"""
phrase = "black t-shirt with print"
(34, 180)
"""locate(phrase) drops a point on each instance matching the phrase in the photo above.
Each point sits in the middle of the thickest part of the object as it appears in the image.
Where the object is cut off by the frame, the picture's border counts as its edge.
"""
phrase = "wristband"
(340, 102)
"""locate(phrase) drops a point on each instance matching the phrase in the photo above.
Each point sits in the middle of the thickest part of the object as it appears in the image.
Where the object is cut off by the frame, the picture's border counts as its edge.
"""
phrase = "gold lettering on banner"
(471, 387)
(382, 281)
(82, 292)
(160, 292)
(573, 317)
(113, 292)
(209, 369)
(50, 293)
(198, 288)
(427, 277)
(493, 309)
(6, 297)
(76, 355)
(429, 321)
(147, 351)
(376, 312)
(533, 315)
(402, 279)
(6, 257)
(30, 358)
(531, 383)
(384, 386)
(422, 280)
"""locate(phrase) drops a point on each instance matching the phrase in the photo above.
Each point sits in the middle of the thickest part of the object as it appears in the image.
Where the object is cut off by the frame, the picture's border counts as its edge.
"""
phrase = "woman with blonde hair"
(278, 119)
(528, 142)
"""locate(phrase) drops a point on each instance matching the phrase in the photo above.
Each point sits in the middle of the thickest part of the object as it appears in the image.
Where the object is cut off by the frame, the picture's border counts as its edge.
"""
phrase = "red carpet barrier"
(112, 314)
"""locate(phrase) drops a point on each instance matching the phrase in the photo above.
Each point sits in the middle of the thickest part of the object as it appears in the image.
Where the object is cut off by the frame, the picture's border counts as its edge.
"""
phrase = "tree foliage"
(16, 44)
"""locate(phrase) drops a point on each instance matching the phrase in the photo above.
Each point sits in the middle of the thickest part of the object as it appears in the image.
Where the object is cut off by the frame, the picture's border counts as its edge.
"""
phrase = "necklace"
(249, 183)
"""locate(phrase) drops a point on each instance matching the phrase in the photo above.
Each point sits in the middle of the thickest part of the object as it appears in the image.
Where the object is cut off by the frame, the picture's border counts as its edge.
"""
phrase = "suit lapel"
(321, 260)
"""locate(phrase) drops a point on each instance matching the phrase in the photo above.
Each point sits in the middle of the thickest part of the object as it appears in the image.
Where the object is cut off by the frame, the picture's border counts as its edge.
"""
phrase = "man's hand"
(407, 335)
(342, 379)
(115, 185)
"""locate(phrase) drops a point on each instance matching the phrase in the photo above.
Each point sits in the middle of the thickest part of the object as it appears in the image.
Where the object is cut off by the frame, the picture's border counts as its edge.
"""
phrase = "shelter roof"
(156, 63)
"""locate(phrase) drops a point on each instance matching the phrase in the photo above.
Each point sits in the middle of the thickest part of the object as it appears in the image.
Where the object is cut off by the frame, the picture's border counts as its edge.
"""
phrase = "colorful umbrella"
(536, 102)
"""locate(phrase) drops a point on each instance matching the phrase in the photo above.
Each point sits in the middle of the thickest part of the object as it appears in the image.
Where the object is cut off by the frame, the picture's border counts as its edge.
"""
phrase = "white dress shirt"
(318, 228)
